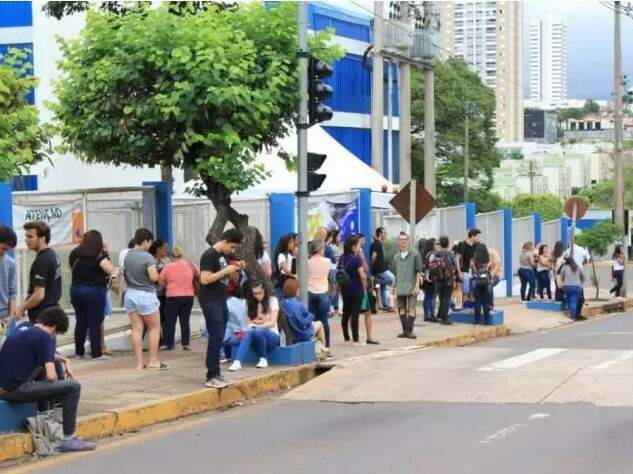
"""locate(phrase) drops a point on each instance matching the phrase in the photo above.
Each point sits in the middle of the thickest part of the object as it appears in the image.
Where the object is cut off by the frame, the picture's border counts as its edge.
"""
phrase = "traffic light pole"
(302, 151)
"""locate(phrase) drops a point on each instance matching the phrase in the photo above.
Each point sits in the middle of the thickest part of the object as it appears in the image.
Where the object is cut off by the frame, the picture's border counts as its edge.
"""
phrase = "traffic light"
(315, 180)
(318, 91)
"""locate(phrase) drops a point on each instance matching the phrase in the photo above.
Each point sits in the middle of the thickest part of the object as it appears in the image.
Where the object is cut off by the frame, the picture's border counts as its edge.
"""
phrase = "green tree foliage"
(591, 107)
(570, 113)
(597, 240)
(601, 195)
(458, 90)
(205, 89)
(22, 141)
(548, 205)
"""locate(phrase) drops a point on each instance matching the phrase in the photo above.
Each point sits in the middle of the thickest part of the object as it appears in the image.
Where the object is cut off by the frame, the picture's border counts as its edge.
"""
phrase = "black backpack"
(482, 277)
(441, 266)
(342, 277)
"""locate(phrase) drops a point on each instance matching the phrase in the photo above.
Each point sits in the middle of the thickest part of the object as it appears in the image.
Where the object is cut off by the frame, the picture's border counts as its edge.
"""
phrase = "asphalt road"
(559, 402)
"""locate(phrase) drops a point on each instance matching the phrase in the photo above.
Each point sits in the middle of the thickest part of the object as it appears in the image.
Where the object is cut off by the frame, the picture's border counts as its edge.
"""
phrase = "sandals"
(162, 366)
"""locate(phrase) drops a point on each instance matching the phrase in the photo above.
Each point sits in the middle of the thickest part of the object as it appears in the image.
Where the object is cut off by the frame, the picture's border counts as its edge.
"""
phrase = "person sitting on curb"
(28, 374)
(236, 326)
(300, 320)
(262, 333)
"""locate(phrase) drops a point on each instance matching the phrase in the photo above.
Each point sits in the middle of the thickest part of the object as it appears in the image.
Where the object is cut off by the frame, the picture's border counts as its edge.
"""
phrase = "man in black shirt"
(379, 268)
(465, 252)
(45, 278)
(214, 277)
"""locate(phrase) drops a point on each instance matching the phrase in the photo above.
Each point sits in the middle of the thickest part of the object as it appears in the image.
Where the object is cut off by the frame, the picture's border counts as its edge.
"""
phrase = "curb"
(606, 308)
(135, 417)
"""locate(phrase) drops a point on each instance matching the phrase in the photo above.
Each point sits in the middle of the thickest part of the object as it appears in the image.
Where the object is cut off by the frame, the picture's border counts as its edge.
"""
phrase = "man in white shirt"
(581, 255)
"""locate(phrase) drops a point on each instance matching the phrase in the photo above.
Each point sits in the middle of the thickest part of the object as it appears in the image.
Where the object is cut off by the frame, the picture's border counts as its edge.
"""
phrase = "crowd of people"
(244, 308)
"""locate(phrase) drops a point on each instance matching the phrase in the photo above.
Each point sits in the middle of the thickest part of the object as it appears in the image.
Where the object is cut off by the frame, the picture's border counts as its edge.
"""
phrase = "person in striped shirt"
(8, 275)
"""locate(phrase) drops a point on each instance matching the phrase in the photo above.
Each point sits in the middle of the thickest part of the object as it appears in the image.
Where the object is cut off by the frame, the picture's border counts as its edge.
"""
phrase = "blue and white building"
(23, 25)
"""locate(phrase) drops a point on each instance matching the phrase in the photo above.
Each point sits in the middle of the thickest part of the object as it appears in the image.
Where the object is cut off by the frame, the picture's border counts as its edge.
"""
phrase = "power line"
(411, 34)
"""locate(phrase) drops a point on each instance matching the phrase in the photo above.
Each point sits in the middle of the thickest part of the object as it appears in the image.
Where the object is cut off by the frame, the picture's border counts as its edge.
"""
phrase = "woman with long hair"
(336, 246)
(557, 262)
(318, 285)
(617, 270)
(91, 268)
(351, 263)
(262, 255)
(526, 271)
(543, 269)
(160, 251)
(428, 286)
(284, 261)
(262, 333)
(482, 280)
(572, 277)
(179, 279)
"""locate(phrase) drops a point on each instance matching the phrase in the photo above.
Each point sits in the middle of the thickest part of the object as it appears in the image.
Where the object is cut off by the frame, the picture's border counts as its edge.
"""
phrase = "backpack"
(482, 277)
(342, 277)
(441, 267)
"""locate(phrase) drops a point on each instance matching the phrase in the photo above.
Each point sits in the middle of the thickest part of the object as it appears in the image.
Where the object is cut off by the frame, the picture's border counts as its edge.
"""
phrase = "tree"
(597, 240)
(591, 107)
(458, 91)
(22, 141)
(549, 206)
(207, 90)
(601, 195)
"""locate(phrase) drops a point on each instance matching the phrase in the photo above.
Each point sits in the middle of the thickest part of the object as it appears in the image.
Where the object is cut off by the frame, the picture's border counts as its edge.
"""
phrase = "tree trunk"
(220, 197)
(595, 276)
(166, 173)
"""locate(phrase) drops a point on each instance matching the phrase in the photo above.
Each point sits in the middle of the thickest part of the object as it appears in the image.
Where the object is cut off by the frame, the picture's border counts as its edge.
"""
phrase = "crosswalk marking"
(521, 360)
(620, 356)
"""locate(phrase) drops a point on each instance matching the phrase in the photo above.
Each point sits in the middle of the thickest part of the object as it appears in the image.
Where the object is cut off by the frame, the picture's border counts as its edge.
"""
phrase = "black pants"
(545, 285)
(177, 308)
(351, 313)
(89, 305)
(444, 292)
(43, 392)
(482, 303)
(216, 315)
(619, 281)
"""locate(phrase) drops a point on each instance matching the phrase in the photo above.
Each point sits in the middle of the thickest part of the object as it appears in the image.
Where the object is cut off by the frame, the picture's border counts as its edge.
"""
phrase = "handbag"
(115, 281)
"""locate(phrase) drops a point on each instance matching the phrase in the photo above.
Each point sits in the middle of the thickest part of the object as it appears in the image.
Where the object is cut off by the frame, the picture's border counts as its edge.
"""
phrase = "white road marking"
(521, 360)
(503, 433)
(539, 416)
(620, 356)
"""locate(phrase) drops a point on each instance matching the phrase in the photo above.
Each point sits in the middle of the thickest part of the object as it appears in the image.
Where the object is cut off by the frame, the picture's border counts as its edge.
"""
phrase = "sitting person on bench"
(28, 373)
(262, 331)
(300, 320)
(236, 326)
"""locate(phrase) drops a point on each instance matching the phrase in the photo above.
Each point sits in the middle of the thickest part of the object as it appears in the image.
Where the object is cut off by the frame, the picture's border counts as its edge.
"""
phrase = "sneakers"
(74, 444)
(235, 366)
(216, 382)
(262, 364)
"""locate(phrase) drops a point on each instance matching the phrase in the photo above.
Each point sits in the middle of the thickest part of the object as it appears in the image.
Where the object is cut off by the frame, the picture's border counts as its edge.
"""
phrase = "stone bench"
(13, 415)
(546, 305)
(467, 316)
(294, 354)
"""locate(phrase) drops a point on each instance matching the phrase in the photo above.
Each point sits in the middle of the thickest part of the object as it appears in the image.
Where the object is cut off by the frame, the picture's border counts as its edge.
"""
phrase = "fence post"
(6, 205)
(163, 211)
(538, 228)
(282, 216)
(508, 266)
(364, 216)
(471, 209)
(565, 223)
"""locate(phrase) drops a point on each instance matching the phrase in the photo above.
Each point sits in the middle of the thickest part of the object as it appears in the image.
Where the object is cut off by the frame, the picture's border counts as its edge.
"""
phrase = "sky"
(589, 43)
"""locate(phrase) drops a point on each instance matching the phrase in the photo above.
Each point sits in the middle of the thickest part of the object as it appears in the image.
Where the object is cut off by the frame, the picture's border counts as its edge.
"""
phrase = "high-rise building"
(488, 35)
(548, 62)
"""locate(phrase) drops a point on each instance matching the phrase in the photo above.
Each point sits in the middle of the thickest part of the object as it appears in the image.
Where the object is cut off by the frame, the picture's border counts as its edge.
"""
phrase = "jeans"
(429, 301)
(319, 305)
(572, 295)
(216, 315)
(89, 304)
(351, 313)
(544, 283)
(482, 302)
(336, 296)
(619, 280)
(263, 339)
(385, 280)
(526, 275)
(444, 292)
(177, 308)
(43, 392)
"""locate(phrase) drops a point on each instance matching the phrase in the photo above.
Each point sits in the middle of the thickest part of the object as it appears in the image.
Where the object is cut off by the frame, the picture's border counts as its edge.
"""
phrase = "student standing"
(379, 268)
(543, 269)
(481, 282)
(8, 276)
(445, 278)
(430, 246)
(617, 270)
(91, 269)
(465, 252)
(214, 277)
(318, 283)
(526, 272)
(45, 277)
(353, 289)
(408, 268)
(572, 276)
(27, 373)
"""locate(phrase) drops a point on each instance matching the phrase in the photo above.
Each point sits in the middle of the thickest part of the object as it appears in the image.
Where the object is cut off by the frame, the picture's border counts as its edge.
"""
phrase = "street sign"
(581, 207)
(424, 202)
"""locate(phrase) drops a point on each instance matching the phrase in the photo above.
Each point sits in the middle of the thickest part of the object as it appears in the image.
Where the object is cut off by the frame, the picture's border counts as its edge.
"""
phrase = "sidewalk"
(114, 392)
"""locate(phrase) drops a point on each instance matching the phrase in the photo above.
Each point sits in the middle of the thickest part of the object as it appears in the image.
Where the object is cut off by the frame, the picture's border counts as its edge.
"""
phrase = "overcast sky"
(589, 43)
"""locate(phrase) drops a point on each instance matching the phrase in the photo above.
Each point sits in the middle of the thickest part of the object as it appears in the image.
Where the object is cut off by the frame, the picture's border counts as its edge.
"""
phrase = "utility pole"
(377, 91)
(429, 129)
(404, 82)
(302, 150)
(466, 155)
(617, 122)
(390, 121)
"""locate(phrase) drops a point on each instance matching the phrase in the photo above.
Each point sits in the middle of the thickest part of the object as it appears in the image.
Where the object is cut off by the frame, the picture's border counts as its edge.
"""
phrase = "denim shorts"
(142, 302)
(466, 282)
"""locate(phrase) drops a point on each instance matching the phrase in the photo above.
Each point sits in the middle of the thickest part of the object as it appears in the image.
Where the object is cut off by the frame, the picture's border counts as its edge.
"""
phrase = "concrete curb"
(134, 417)
(606, 308)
